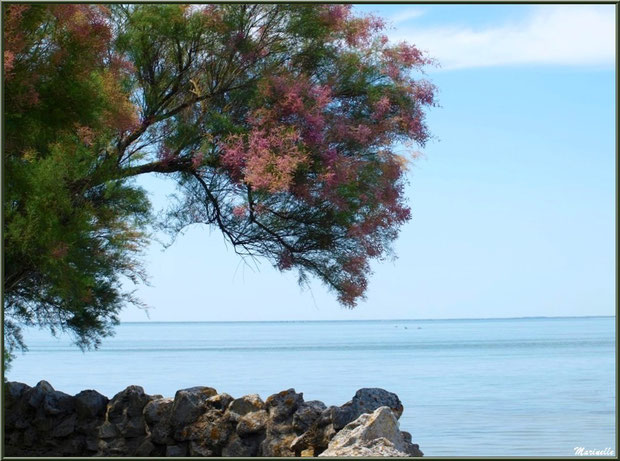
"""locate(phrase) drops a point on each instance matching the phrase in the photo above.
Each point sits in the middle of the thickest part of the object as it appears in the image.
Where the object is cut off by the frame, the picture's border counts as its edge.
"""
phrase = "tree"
(276, 121)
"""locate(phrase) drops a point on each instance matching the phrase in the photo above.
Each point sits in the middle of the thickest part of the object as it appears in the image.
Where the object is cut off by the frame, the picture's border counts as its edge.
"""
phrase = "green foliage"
(276, 121)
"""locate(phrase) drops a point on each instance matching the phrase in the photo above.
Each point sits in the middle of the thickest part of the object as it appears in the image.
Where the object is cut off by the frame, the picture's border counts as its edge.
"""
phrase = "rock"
(40, 421)
(91, 444)
(124, 429)
(307, 414)
(277, 445)
(146, 448)
(252, 423)
(246, 404)
(157, 416)
(107, 430)
(128, 403)
(217, 433)
(199, 448)
(219, 401)
(66, 426)
(56, 402)
(13, 391)
(189, 404)
(316, 438)
(156, 410)
(368, 400)
(283, 404)
(242, 447)
(176, 450)
(333, 419)
(374, 434)
(90, 404)
(381, 447)
(134, 427)
(35, 395)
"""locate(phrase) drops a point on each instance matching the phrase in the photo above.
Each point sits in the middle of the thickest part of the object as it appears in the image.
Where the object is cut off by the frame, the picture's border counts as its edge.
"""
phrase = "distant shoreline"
(376, 320)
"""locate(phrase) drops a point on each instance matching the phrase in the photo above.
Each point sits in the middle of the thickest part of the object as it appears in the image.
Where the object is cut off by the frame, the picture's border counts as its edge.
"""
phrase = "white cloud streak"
(405, 15)
(570, 35)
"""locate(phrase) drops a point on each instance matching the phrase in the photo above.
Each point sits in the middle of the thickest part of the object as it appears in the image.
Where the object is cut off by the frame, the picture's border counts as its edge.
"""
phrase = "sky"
(513, 200)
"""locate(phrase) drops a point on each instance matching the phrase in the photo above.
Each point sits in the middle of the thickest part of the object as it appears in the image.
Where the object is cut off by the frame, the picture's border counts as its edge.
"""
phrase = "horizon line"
(375, 320)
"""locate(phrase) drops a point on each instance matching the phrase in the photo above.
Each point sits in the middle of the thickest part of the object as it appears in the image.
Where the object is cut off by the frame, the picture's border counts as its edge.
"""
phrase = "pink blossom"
(239, 211)
(197, 159)
(381, 107)
(285, 260)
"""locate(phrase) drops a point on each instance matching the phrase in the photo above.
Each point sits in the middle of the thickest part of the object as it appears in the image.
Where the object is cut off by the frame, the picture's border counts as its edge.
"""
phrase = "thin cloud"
(574, 35)
(405, 15)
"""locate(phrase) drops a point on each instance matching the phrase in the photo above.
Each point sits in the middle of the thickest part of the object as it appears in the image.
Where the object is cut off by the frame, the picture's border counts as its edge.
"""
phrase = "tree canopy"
(278, 123)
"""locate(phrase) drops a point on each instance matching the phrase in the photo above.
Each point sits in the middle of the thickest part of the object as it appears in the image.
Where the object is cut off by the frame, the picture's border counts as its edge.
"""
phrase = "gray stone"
(146, 448)
(380, 447)
(90, 404)
(277, 445)
(374, 434)
(176, 450)
(30, 437)
(341, 416)
(307, 414)
(189, 404)
(156, 410)
(128, 403)
(368, 400)
(160, 433)
(65, 427)
(316, 438)
(43, 422)
(199, 448)
(252, 423)
(35, 395)
(133, 427)
(219, 401)
(56, 402)
(91, 444)
(14, 390)
(107, 430)
(157, 416)
(283, 404)
(245, 404)
(242, 447)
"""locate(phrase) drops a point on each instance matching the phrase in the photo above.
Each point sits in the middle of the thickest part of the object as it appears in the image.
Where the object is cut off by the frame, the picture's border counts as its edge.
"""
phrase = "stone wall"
(40, 421)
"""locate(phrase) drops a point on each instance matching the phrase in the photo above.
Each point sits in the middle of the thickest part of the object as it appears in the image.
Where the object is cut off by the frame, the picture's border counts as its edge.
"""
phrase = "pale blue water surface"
(527, 387)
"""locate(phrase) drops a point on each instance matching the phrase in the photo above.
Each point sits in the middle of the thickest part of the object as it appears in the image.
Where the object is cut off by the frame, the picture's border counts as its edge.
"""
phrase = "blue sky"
(513, 201)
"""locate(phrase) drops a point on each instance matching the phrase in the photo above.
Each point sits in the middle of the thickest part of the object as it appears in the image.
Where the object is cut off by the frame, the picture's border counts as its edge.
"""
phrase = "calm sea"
(527, 387)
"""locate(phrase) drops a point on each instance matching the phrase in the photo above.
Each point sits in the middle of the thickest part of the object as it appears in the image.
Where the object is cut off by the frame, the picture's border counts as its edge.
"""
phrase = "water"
(500, 387)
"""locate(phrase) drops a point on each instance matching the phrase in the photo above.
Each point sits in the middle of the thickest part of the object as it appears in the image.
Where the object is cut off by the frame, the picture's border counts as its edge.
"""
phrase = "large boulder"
(307, 413)
(189, 404)
(90, 404)
(317, 436)
(375, 434)
(279, 431)
(243, 405)
(243, 447)
(252, 423)
(124, 429)
(157, 417)
(282, 405)
(367, 400)
(35, 395)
